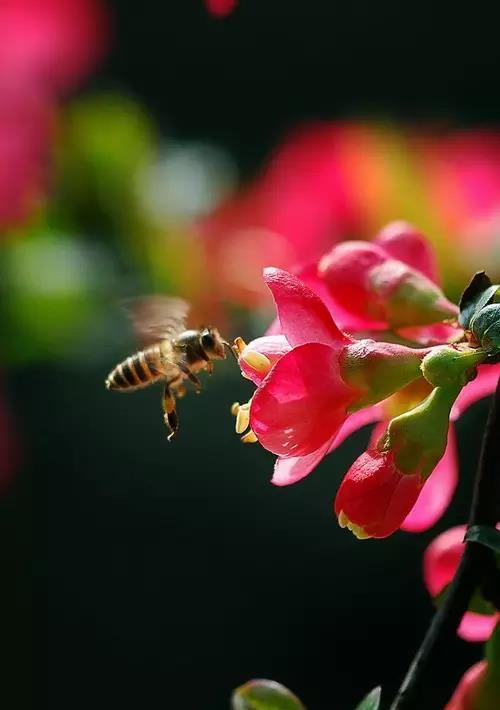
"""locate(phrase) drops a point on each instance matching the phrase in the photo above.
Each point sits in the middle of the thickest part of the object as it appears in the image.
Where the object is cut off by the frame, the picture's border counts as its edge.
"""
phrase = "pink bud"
(375, 497)
(367, 281)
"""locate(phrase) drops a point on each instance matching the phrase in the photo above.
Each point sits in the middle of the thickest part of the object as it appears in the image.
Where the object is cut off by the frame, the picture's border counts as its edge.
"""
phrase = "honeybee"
(171, 353)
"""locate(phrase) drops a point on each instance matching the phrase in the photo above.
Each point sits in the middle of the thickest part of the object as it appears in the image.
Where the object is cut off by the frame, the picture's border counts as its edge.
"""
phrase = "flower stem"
(475, 566)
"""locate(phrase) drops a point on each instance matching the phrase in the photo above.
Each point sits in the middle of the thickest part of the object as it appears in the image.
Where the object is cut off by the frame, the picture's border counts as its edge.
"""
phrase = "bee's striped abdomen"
(137, 370)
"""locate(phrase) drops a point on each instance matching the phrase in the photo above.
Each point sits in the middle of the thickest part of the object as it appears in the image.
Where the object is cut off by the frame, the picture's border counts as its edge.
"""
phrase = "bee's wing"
(157, 317)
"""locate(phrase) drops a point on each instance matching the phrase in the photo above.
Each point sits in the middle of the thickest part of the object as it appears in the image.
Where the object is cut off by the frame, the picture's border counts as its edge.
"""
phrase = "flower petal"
(476, 627)
(465, 694)
(303, 316)
(437, 491)
(355, 421)
(272, 346)
(403, 241)
(482, 386)
(293, 469)
(345, 320)
(302, 402)
(442, 557)
(435, 334)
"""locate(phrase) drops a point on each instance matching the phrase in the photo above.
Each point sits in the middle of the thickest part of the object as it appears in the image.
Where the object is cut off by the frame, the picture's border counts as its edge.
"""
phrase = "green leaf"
(479, 293)
(372, 700)
(484, 535)
(264, 694)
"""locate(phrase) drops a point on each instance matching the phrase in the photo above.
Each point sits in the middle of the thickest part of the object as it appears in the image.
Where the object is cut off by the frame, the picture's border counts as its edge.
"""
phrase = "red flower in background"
(466, 693)
(52, 44)
(441, 561)
(26, 118)
(9, 448)
(46, 47)
(333, 181)
(298, 207)
(220, 8)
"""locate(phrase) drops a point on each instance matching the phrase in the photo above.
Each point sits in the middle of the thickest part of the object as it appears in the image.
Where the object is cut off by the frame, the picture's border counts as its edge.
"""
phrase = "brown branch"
(476, 563)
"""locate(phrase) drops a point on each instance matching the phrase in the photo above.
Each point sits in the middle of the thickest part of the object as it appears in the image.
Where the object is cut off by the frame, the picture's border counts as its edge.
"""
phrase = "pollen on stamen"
(249, 438)
(242, 420)
(257, 361)
(239, 345)
(342, 519)
(234, 408)
(356, 530)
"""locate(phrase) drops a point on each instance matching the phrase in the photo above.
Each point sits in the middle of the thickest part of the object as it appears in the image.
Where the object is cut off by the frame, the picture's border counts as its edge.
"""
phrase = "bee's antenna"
(231, 349)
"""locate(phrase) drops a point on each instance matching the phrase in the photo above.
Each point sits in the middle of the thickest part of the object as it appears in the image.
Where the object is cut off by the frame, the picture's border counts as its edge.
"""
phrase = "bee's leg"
(210, 367)
(178, 387)
(170, 416)
(183, 367)
(180, 391)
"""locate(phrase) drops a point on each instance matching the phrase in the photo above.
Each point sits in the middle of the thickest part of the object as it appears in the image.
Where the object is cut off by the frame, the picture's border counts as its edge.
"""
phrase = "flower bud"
(448, 365)
(379, 369)
(367, 281)
(418, 438)
(375, 497)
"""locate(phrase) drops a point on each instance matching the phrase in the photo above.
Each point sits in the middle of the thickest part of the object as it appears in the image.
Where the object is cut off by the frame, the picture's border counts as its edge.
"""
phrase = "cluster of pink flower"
(366, 335)
(46, 47)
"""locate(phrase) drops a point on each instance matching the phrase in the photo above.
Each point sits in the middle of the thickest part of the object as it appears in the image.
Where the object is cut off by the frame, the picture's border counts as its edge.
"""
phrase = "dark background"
(173, 573)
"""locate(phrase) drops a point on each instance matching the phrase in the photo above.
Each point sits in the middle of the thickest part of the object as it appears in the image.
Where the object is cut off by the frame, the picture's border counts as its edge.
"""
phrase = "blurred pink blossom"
(220, 8)
(441, 561)
(26, 119)
(46, 46)
(51, 43)
(9, 446)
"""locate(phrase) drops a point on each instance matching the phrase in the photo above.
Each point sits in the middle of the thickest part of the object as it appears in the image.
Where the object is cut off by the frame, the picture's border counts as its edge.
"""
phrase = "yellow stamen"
(356, 530)
(257, 361)
(242, 420)
(234, 408)
(239, 345)
(249, 438)
(343, 519)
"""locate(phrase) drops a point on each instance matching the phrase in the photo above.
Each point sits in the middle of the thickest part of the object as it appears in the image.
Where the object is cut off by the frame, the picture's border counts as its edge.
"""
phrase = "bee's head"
(212, 343)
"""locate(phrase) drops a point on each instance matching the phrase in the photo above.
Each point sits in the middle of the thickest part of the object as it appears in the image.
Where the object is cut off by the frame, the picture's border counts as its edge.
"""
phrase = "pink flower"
(51, 43)
(441, 561)
(314, 368)
(375, 496)
(305, 379)
(467, 691)
(26, 119)
(220, 8)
